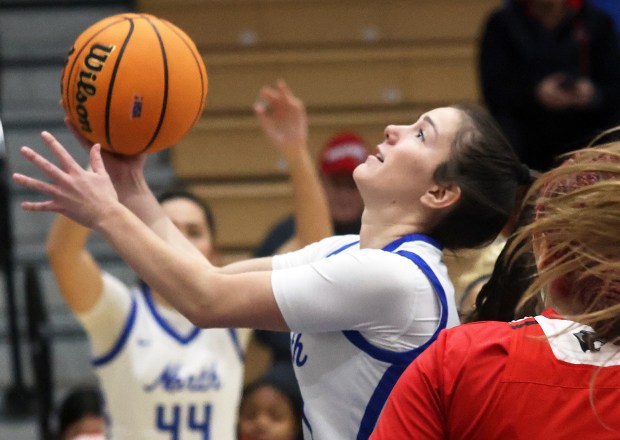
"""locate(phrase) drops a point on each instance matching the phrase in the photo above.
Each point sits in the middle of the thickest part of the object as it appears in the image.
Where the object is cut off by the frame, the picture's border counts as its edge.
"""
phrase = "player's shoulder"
(484, 336)
(480, 328)
(497, 328)
(339, 243)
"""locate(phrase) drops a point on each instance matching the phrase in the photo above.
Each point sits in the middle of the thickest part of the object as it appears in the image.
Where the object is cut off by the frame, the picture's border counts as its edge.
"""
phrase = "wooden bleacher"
(357, 64)
(350, 78)
(230, 24)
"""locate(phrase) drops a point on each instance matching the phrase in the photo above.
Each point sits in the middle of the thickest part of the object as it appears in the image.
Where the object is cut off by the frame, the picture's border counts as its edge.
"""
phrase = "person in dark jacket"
(550, 75)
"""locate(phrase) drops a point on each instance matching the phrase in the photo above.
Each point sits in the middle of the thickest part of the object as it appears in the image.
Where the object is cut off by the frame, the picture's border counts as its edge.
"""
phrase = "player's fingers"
(96, 161)
(50, 170)
(269, 94)
(283, 87)
(261, 115)
(261, 106)
(67, 161)
(45, 206)
(34, 184)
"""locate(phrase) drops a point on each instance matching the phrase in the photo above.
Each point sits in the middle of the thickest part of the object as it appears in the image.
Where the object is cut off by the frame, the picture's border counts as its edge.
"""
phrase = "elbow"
(198, 314)
(197, 319)
(204, 305)
(204, 315)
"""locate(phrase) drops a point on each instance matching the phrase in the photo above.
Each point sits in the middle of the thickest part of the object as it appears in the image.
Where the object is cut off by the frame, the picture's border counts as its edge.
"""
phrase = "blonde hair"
(577, 209)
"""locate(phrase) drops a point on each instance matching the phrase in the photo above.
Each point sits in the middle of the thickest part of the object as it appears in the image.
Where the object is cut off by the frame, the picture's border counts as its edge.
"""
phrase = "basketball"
(134, 83)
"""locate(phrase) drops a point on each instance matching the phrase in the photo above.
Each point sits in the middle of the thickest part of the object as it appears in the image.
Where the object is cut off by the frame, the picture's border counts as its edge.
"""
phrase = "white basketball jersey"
(160, 385)
(344, 378)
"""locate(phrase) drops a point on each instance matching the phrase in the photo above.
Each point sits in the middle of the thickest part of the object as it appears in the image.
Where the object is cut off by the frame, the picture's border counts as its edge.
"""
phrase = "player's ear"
(441, 195)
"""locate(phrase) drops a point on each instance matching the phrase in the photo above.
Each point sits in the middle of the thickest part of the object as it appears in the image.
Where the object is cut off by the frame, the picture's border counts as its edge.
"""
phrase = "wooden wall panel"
(345, 77)
(242, 23)
(245, 212)
(234, 147)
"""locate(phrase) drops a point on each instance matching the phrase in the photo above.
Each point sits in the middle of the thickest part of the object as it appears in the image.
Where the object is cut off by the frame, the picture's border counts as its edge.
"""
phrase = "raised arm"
(185, 279)
(131, 187)
(283, 119)
(77, 273)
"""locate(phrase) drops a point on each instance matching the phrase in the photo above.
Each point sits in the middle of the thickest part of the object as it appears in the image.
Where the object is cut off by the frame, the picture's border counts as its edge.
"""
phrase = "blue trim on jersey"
(235, 340)
(390, 247)
(405, 357)
(378, 399)
(146, 291)
(439, 290)
(306, 422)
(120, 343)
(399, 360)
(412, 237)
(387, 382)
(340, 249)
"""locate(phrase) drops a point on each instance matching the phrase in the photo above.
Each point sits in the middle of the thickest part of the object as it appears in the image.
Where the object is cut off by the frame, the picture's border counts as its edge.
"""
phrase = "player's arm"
(186, 280)
(77, 273)
(284, 121)
(206, 296)
(134, 193)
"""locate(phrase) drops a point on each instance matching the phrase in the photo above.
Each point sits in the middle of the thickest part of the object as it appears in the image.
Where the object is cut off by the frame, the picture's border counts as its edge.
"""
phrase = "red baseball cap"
(342, 153)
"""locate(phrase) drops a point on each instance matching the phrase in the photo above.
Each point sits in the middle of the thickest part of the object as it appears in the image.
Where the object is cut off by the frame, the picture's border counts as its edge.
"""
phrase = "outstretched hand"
(83, 195)
(283, 118)
(124, 170)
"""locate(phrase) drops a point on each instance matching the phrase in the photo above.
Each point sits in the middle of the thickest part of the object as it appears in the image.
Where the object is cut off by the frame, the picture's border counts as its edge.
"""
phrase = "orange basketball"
(134, 83)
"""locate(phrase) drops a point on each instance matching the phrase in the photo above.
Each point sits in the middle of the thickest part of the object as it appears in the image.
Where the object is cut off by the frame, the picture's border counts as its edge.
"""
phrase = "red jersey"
(531, 378)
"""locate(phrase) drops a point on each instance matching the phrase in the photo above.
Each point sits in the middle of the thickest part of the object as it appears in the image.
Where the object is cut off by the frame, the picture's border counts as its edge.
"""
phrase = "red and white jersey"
(542, 377)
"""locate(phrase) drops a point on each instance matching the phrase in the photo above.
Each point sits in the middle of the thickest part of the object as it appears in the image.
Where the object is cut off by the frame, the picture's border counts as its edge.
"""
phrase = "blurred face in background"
(89, 427)
(342, 153)
(190, 219)
(345, 201)
(266, 414)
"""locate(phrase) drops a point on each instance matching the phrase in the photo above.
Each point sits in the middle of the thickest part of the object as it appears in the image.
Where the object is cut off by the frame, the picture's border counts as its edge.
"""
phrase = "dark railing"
(16, 400)
(40, 338)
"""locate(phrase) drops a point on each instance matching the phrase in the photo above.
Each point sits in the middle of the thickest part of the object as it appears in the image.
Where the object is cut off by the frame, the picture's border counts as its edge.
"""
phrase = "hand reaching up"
(283, 118)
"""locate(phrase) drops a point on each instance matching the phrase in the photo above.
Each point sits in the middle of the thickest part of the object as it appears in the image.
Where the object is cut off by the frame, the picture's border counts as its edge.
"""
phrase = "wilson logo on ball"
(93, 63)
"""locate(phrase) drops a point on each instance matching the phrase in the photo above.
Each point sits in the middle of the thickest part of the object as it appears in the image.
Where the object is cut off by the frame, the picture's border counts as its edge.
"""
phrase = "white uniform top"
(358, 318)
(163, 378)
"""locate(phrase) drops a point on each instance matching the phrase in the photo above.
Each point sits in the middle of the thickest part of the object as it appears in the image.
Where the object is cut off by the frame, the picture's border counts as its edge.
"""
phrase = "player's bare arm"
(190, 283)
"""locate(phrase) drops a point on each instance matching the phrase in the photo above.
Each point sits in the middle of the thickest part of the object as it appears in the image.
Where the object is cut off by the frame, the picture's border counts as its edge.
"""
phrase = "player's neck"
(379, 229)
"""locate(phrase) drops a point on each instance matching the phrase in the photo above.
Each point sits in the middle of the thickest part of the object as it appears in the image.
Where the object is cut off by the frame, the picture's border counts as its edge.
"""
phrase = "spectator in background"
(550, 74)
(271, 407)
(81, 415)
